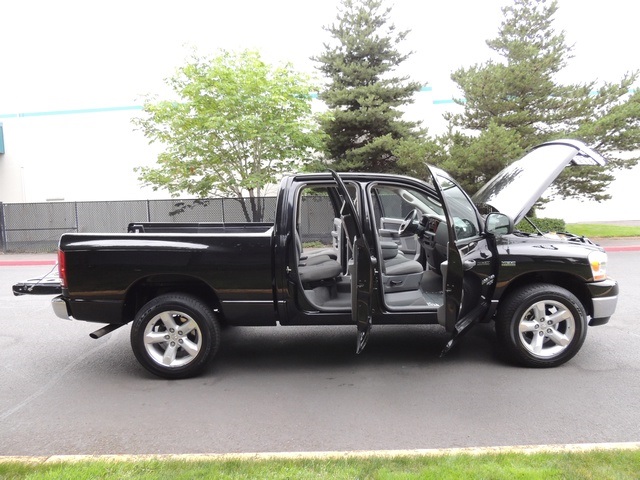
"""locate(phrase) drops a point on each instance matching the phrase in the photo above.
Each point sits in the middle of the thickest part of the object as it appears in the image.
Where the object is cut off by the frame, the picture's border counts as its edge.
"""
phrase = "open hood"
(518, 187)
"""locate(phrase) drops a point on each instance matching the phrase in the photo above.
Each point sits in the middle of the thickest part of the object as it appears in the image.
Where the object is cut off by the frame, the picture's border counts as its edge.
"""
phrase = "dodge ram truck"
(396, 250)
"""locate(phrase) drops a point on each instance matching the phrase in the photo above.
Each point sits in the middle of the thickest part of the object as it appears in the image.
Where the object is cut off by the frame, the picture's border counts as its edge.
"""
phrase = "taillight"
(62, 269)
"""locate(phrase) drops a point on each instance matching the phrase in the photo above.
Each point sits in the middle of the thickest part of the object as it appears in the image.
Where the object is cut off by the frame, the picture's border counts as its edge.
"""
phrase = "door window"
(465, 219)
(392, 201)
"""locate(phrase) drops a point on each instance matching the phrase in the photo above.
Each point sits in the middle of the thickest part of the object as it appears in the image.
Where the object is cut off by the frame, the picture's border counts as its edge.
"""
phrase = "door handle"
(468, 264)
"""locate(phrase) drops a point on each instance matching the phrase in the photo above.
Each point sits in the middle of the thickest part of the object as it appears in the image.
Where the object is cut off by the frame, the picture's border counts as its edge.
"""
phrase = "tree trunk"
(257, 207)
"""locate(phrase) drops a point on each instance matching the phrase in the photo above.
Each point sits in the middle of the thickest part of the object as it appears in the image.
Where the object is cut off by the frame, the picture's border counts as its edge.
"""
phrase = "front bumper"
(604, 297)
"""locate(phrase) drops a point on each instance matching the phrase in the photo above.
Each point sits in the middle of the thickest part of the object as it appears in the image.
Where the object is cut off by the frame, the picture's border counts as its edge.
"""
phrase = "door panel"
(453, 286)
(362, 275)
(361, 290)
(453, 274)
(470, 272)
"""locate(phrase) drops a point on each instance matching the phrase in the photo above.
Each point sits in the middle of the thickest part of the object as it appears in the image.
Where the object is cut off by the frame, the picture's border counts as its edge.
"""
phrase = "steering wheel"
(411, 217)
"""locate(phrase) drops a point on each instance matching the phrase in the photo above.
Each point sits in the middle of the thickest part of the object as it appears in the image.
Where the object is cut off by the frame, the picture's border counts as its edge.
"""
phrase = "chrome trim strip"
(266, 302)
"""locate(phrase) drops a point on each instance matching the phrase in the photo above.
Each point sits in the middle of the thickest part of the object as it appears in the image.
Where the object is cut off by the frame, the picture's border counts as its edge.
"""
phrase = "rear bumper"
(604, 296)
(60, 307)
(95, 311)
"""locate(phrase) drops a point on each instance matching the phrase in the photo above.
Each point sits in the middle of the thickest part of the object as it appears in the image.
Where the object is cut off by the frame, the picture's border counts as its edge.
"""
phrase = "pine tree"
(363, 124)
(512, 104)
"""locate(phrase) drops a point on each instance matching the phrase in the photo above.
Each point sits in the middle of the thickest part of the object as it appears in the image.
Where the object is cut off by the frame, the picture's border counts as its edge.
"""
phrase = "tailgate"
(47, 285)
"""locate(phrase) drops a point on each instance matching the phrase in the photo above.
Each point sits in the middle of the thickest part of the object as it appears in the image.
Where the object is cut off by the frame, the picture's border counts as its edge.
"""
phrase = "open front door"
(453, 285)
(362, 275)
(471, 268)
(454, 274)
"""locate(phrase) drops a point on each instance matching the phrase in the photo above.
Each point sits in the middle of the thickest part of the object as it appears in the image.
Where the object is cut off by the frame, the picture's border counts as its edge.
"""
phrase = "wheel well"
(575, 285)
(150, 287)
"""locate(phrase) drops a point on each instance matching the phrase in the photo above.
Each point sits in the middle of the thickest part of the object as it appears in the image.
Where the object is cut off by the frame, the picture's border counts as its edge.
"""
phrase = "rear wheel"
(175, 336)
(541, 325)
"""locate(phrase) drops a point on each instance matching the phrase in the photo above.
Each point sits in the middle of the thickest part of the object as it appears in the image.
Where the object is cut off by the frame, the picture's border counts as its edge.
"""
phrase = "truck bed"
(193, 227)
(108, 274)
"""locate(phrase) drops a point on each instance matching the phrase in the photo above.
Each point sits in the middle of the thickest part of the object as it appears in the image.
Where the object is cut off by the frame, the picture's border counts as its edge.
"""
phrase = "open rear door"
(362, 275)
(361, 290)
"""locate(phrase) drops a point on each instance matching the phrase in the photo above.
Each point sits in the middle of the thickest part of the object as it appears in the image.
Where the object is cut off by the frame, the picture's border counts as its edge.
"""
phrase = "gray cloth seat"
(316, 266)
(395, 263)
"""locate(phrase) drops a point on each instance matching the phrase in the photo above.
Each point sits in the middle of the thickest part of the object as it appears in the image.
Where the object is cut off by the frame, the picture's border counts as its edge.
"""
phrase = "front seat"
(395, 263)
(399, 273)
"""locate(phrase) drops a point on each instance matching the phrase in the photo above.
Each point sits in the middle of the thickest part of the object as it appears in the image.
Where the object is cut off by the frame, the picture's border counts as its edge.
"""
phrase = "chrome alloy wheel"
(172, 339)
(546, 328)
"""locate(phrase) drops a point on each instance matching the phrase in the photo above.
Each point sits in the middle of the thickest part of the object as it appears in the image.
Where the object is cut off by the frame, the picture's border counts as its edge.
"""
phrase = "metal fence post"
(77, 222)
(3, 234)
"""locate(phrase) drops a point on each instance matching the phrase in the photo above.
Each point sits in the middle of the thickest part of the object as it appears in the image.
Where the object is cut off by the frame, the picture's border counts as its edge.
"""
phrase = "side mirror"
(498, 224)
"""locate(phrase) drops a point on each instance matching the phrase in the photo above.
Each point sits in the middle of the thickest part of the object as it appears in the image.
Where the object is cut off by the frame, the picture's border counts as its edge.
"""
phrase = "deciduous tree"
(236, 124)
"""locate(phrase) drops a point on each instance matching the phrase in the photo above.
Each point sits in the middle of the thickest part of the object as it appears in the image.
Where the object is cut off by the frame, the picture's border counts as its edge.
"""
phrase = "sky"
(71, 54)
(60, 54)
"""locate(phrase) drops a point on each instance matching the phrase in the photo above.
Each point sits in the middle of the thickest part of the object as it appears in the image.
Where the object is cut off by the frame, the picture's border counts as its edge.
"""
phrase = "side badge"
(489, 280)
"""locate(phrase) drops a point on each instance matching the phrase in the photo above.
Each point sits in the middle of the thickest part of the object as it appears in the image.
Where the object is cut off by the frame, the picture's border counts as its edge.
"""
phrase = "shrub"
(544, 224)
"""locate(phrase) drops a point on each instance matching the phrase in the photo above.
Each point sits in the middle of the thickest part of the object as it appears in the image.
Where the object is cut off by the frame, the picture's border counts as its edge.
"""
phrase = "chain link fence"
(36, 227)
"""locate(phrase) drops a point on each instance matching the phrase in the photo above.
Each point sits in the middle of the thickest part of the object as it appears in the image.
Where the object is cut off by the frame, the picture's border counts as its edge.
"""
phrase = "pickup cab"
(390, 250)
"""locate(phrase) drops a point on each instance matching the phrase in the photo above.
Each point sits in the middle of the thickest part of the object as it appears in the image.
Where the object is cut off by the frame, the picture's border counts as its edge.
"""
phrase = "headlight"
(598, 262)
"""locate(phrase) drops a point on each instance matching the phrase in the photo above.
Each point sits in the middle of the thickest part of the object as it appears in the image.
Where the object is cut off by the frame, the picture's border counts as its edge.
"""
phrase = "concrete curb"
(26, 263)
(430, 452)
(622, 248)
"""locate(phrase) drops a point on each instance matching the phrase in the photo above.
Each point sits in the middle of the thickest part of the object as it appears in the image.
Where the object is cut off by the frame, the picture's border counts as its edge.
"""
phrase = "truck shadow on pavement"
(292, 348)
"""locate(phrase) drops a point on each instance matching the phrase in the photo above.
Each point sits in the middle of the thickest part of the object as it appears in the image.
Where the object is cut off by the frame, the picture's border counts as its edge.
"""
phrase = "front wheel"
(541, 325)
(175, 336)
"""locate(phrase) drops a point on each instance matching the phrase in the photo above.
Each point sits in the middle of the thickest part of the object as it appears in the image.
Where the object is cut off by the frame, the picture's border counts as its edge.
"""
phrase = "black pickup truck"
(393, 250)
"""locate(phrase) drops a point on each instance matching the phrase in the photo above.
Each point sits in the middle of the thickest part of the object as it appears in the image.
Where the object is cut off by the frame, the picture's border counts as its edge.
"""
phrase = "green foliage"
(515, 103)
(545, 225)
(363, 125)
(475, 160)
(603, 230)
(601, 465)
(313, 244)
(414, 153)
(235, 125)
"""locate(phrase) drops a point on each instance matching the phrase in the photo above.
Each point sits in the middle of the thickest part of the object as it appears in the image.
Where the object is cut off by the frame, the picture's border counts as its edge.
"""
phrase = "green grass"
(602, 230)
(609, 464)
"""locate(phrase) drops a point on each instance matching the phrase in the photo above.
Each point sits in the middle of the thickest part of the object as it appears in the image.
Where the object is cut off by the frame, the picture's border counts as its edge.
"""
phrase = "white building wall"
(90, 154)
(53, 156)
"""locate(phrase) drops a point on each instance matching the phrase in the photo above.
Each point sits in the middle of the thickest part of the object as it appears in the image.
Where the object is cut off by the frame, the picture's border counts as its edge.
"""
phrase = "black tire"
(541, 325)
(166, 350)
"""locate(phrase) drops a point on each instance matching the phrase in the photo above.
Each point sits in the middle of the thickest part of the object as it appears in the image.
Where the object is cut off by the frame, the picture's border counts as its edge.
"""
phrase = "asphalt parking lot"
(304, 389)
